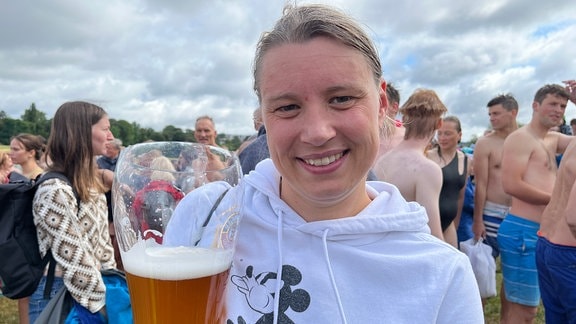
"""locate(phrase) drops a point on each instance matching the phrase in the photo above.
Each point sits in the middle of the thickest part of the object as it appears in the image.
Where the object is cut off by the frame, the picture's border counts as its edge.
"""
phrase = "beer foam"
(175, 263)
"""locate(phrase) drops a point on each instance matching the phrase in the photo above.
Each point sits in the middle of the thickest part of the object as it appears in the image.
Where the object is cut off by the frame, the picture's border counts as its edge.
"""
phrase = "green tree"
(37, 120)
(10, 127)
(234, 143)
(189, 135)
(148, 134)
(124, 131)
(172, 133)
(34, 121)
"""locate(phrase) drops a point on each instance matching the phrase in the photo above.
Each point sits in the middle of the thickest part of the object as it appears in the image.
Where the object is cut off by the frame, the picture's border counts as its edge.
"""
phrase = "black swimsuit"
(452, 183)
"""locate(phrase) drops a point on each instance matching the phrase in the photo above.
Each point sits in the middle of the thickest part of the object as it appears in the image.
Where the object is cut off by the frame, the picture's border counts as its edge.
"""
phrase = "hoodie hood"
(388, 211)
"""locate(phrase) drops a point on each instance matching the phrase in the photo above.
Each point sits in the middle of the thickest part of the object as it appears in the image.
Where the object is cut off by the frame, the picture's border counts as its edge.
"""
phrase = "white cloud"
(162, 63)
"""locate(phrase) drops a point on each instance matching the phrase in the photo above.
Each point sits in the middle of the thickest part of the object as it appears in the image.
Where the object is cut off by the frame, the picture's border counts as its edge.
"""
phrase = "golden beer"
(177, 261)
(198, 300)
(177, 284)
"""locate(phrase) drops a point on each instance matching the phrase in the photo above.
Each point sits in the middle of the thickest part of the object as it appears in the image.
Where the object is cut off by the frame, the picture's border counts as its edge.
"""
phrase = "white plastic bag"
(483, 265)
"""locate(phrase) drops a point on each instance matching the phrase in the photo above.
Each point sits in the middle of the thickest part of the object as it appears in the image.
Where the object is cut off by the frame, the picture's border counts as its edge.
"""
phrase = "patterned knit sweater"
(80, 242)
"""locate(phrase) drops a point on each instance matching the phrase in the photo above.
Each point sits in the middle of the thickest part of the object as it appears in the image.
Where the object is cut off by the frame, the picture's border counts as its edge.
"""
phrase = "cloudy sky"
(165, 62)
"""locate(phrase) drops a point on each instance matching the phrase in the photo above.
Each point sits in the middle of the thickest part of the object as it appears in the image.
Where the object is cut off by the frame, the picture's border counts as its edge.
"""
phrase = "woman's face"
(448, 135)
(18, 152)
(101, 135)
(321, 107)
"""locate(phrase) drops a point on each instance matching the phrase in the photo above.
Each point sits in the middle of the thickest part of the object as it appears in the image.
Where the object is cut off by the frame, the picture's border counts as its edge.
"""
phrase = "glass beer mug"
(176, 263)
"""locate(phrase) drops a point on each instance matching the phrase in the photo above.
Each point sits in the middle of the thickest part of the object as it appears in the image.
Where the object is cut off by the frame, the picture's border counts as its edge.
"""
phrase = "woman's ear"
(439, 123)
(383, 101)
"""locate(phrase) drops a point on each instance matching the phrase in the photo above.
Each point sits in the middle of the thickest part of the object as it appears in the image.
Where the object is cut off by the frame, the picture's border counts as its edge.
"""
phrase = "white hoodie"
(379, 266)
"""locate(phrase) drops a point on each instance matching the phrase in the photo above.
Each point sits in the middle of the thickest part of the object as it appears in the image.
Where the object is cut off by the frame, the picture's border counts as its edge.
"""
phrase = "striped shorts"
(517, 239)
(493, 215)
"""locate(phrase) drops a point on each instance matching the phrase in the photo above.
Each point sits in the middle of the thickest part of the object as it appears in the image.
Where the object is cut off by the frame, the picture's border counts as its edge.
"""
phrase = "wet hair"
(31, 142)
(458, 125)
(421, 113)
(553, 89)
(507, 101)
(300, 24)
(455, 120)
(392, 94)
(70, 148)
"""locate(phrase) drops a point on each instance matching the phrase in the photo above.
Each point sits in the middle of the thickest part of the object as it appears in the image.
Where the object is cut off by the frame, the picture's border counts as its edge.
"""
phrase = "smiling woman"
(319, 82)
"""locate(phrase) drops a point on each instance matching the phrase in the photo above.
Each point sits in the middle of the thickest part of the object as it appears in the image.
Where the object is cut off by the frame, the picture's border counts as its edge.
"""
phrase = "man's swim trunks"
(517, 239)
(493, 215)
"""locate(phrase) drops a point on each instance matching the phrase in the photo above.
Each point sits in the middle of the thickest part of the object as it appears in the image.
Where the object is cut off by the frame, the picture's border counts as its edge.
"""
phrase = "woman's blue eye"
(342, 99)
(288, 108)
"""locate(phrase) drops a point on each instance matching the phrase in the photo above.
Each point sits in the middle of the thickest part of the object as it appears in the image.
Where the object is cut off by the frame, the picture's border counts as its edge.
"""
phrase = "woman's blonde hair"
(162, 169)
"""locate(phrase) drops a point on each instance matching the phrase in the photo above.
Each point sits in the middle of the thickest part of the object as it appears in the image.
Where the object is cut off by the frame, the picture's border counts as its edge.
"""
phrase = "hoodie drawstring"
(279, 270)
(327, 257)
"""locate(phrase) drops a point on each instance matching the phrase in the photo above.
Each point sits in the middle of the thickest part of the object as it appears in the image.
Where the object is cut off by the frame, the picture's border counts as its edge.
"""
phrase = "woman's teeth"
(323, 161)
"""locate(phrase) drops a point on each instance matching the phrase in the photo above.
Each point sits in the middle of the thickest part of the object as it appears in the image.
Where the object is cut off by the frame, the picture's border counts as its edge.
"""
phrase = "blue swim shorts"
(517, 240)
(557, 278)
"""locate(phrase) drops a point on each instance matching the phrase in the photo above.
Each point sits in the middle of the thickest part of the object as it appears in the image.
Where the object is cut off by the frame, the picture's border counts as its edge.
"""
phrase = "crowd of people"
(508, 183)
(312, 218)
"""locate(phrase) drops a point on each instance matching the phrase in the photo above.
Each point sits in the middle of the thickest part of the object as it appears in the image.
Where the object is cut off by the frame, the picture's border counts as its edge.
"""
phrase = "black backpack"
(21, 266)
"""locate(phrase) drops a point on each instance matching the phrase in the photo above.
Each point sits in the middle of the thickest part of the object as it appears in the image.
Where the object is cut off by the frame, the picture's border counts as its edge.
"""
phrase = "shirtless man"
(528, 175)
(557, 240)
(491, 203)
(404, 165)
(205, 133)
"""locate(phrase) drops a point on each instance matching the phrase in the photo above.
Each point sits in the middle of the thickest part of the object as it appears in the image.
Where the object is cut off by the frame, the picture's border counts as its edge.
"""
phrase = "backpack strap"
(212, 210)
(49, 258)
(214, 207)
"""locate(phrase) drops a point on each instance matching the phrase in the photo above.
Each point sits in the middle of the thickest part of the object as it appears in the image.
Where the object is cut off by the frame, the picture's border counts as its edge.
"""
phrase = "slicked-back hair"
(421, 113)
(392, 94)
(455, 120)
(299, 24)
(70, 148)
